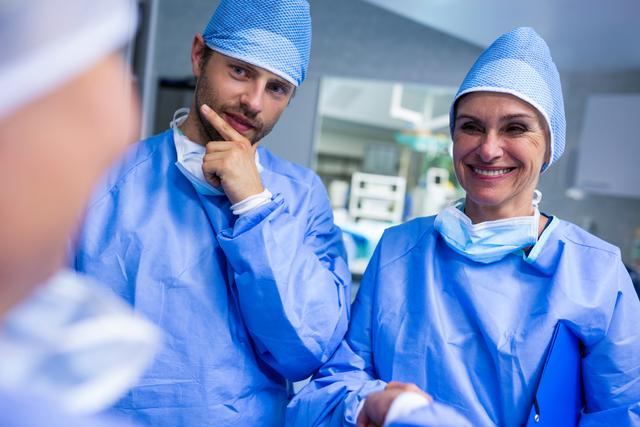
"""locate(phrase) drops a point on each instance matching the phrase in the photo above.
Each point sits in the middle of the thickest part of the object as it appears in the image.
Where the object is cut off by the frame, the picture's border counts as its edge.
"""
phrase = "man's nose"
(252, 99)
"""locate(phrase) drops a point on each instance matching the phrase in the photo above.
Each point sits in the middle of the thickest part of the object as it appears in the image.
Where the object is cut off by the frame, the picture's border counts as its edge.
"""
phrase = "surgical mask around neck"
(189, 157)
(488, 241)
(75, 344)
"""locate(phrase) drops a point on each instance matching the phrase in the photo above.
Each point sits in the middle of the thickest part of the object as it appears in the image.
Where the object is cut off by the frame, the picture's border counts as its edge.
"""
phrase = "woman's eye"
(470, 127)
(516, 129)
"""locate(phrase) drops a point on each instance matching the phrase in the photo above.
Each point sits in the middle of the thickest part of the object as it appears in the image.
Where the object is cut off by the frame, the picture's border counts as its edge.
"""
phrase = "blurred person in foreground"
(68, 348)
(464, 305)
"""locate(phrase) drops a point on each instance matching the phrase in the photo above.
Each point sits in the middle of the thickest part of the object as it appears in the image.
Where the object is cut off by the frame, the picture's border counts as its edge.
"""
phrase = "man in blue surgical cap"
(464, 305)
(231, 250)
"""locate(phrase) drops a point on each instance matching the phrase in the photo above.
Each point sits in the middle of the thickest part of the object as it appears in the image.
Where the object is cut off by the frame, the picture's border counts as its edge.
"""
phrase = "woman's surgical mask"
(190, 157)
(76, 344)
(488, 241)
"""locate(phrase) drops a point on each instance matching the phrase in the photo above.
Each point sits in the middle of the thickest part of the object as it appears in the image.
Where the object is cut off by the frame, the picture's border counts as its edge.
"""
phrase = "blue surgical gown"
(475, 336)
(244, 302)
(24, 410)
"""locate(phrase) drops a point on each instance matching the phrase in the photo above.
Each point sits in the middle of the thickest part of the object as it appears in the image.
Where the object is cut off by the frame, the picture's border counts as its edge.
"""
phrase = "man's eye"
(278, 89)
(238, 71)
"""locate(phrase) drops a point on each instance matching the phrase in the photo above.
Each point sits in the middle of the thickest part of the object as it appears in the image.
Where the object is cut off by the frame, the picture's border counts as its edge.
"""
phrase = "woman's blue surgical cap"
(519, 63)
(271, 34)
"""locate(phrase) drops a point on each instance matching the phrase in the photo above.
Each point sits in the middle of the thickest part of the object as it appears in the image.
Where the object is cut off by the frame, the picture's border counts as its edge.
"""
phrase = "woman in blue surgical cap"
(464, 305)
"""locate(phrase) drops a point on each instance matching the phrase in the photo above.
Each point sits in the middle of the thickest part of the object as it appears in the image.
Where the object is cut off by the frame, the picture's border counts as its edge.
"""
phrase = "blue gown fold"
(245, 302)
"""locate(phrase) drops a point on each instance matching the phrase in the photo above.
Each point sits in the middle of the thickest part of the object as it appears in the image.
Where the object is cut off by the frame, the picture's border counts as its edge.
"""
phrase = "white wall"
(611, 218)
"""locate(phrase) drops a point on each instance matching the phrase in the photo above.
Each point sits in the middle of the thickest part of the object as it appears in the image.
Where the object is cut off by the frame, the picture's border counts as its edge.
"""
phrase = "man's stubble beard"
(205, 95)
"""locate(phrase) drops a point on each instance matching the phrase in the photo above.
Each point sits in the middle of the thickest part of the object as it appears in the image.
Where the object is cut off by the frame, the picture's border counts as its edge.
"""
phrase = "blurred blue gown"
(475, 336)
(25, 410)
(244, 303)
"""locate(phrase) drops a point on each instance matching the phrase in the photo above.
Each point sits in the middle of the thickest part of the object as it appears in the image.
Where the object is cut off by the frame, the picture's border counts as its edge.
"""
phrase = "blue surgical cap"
(519, 63)
(271, 34)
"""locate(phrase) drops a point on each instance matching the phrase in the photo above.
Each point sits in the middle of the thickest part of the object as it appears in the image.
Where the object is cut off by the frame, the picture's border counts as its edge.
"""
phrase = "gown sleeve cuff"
(251, 203)
(249, 220)
(404, 404)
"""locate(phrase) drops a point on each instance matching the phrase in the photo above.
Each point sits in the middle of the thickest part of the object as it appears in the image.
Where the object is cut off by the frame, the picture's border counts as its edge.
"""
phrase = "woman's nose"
(490, 147)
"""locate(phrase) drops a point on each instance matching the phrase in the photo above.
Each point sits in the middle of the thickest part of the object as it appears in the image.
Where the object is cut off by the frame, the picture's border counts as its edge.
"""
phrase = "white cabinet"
(377, 197)
(609, 156)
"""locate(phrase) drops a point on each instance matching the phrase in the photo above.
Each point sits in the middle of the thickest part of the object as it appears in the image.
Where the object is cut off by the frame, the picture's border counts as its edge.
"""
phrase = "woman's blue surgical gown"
(475, 336)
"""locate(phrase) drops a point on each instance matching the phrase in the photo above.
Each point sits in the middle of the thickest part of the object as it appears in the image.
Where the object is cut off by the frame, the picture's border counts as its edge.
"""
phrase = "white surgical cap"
(45, 43)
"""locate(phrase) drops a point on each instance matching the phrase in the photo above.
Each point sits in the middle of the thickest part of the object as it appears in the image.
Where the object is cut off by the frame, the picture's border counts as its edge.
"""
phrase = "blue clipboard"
(559, 398)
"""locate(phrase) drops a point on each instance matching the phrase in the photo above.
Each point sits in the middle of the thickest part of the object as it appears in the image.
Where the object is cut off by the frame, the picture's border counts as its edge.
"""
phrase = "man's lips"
(239, 123)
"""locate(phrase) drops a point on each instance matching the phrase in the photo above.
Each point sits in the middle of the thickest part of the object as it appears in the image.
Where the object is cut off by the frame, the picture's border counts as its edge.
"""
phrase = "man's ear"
(197, 50)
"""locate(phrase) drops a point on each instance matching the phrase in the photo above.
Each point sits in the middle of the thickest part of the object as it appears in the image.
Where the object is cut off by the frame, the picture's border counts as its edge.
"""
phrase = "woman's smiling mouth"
(491, 172)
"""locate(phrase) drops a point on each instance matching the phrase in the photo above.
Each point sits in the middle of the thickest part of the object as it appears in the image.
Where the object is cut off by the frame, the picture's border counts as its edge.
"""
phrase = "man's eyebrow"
(251, 67)
(283, 82)
(240, 63)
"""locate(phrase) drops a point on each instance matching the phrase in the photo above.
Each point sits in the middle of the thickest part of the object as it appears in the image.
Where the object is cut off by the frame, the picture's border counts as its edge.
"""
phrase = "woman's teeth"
(491, 172)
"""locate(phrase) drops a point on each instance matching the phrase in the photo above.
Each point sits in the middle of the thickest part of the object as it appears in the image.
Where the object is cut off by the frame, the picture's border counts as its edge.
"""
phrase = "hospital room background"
(372, 117)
